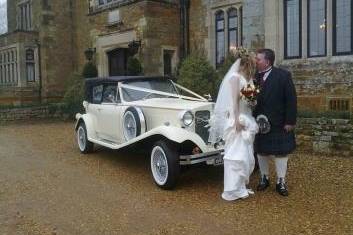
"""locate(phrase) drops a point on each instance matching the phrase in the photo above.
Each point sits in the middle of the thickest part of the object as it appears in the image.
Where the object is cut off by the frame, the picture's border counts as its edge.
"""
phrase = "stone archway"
(112, 53)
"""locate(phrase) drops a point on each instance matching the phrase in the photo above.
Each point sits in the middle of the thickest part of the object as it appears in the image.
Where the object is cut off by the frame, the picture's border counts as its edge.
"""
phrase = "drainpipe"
(184, 28)
(39, 72)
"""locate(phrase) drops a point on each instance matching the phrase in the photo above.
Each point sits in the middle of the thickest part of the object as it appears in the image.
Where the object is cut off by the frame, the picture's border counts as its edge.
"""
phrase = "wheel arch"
(140, 120)
(148, 142)
(89, 125)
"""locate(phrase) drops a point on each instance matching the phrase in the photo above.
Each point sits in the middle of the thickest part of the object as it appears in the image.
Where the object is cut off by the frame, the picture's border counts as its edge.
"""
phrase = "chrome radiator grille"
(201, 120)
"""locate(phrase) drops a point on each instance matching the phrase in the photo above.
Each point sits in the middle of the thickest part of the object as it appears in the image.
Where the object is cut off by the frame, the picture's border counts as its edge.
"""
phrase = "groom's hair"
(268, 53)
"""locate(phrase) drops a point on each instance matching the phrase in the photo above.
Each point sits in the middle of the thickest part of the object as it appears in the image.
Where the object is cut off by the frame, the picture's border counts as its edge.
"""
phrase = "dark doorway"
(167, 61)
(117, 61)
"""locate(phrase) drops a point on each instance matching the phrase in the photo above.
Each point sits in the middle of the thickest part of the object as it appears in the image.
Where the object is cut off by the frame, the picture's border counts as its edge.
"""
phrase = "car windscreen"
(149, 89)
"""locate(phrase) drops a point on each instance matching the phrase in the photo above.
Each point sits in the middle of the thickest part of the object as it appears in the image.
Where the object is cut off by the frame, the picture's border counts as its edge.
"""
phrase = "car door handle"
(99, 109)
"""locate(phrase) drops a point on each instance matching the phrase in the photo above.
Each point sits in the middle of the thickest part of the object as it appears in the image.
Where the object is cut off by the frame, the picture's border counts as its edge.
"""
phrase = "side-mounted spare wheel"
(84, 144)
(165, 166)
(134, 123)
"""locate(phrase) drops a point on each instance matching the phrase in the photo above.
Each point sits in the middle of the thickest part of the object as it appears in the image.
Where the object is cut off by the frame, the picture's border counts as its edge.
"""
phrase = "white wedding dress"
(238, 153)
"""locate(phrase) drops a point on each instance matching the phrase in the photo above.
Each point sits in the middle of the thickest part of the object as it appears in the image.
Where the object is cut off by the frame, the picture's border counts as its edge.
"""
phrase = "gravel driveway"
(48, 187)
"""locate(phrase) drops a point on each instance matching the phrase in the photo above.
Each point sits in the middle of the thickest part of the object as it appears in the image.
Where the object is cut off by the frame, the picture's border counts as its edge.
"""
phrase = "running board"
(106, 143)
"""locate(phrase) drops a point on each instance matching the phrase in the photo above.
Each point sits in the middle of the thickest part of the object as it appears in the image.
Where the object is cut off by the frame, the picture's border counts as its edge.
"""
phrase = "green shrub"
(198, 75)
(134, 66)
(74, 95)
(89, 70)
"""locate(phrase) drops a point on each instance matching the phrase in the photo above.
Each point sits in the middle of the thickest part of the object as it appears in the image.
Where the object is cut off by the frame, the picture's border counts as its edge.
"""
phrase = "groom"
(278, 103)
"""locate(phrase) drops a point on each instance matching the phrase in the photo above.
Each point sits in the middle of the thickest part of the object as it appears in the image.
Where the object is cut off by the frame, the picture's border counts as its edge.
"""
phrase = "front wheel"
(165, 166)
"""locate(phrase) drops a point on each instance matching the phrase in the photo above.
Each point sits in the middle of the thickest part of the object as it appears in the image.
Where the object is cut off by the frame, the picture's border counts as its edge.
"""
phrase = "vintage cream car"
(152, 113)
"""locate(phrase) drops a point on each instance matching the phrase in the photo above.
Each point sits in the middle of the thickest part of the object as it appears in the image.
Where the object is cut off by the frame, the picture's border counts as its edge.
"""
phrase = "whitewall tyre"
(165, 166)
(84, 144)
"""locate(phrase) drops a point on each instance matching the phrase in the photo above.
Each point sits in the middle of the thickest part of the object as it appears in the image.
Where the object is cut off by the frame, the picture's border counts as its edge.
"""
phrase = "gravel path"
(48, 187)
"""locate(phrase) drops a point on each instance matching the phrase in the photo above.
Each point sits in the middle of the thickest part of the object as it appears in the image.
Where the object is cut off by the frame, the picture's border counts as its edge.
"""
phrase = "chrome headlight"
(187, 118)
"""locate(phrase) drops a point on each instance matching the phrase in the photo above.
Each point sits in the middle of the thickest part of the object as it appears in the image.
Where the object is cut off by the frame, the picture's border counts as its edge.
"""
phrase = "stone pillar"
(273, 24)
(21, 60)
(11, 15)
(253, 24)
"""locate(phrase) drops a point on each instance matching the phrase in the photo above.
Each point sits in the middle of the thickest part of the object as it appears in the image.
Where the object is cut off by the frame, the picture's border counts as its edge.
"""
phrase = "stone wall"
(31, 113)
(155, 24)
(51, 38)
(11, 16)
(319, 81)
(328, 136)
(198, 31)
(161, 31)
(253, 24)
(54, 21)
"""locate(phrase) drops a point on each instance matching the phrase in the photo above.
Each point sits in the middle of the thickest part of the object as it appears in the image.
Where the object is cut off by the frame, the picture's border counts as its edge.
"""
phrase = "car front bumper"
(211, 158)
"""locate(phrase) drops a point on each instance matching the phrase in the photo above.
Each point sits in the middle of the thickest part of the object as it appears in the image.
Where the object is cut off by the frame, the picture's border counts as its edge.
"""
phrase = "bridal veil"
(226, 109)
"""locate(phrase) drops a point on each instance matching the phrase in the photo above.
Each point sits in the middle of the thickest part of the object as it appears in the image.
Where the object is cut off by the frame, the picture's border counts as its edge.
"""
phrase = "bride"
(232, 122)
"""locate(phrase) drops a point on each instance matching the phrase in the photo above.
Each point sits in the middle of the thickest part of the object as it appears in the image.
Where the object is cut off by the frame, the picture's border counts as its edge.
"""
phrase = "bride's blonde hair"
(247, 65)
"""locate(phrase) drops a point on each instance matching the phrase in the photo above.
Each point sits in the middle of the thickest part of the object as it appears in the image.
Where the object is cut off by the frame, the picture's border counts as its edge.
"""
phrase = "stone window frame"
(330, 56)
(97, 6)
(25, 15)
(9, 66)
(23, 65)
(214, 8)
(30, 65)
(108, 42)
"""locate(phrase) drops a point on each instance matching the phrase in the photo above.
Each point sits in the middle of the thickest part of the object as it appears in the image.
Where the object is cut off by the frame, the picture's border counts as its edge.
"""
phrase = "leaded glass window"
(292, 28)
(316, 28)
(342, 27)
(232, 29)
(220, 37)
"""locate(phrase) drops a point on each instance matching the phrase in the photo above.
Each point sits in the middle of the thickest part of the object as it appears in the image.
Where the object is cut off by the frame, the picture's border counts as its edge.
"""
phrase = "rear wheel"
(165, 166)
(84, 144)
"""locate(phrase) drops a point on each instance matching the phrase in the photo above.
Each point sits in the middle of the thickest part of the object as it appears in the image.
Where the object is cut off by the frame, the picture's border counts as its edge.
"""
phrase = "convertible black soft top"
(100, 80)
(91, 82)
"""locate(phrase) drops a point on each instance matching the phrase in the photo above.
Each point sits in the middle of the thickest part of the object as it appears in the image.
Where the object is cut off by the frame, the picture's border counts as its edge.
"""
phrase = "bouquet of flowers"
(249, 94)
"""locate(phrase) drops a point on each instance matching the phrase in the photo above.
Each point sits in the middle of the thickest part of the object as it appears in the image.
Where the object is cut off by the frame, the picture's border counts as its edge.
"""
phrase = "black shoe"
(264, 183)
(281, 188)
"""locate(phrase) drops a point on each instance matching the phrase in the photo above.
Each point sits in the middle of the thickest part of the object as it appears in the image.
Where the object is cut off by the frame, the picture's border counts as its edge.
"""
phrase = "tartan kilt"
(276, 142)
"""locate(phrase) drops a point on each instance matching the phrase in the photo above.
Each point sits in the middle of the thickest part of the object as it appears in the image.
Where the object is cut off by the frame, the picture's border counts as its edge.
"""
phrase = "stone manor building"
(47, 41)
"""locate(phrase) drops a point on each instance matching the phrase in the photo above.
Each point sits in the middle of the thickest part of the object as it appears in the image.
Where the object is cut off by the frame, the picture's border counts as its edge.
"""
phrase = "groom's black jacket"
(277, 100)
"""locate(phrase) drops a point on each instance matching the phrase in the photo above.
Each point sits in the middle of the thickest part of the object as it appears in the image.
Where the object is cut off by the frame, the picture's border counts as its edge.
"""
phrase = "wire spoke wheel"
(165, 166)
(159, 165)
(81, 138)
(130, 126)
(84, 144)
